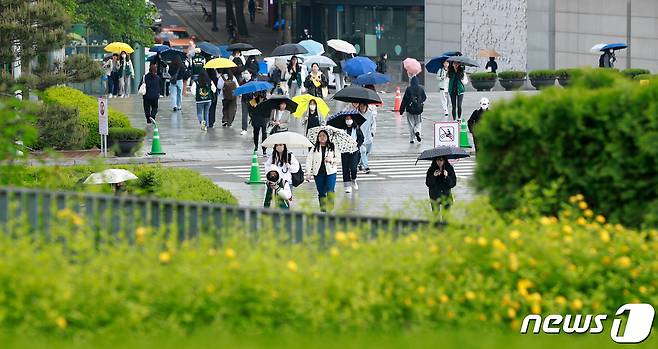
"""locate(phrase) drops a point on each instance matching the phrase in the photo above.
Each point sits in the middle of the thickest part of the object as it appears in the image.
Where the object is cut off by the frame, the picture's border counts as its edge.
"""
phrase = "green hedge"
(645, 77)
(632, 72)
(482, 76)
(565, 73)
(88, 108)
(157, 181)
(511, 74)
(599, 138)
(59, 128)
(126, 134)
(542, 74)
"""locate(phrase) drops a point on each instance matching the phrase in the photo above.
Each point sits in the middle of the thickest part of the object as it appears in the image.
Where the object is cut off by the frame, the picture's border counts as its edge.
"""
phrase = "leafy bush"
(632, 72)
(16, 124)
(542, 74)
(126, 134)
(565, 73)
(482, 76)
(645, 76)
(599, 139)
(158, 181)
(482, 271)
(88, 108)
(59, 128)
(511, 74)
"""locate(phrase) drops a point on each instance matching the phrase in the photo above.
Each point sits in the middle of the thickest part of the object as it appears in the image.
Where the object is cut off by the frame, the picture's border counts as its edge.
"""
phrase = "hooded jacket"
(414, 89)
(440, 185)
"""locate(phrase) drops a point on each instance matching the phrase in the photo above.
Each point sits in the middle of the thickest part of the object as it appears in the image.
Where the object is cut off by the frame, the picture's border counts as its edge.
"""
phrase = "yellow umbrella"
(302, 105)
(219, 63)
(488, 53)
(117, 47)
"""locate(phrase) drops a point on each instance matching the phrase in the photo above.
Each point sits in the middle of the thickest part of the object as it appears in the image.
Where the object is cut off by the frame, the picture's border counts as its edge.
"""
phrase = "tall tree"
(286, 15)
(29, 28)
(124, 20)
(239, 14)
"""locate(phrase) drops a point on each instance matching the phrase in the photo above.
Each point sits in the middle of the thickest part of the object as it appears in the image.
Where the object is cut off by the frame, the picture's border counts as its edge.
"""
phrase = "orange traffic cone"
(398, 100)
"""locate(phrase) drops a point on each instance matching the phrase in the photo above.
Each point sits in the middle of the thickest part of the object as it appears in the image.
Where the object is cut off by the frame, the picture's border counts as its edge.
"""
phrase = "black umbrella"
(448, 152)
(289, 50)
(170, 54)
(463, 60)
(268, 105)
(240, 46)
(357, 94)
(338, 120)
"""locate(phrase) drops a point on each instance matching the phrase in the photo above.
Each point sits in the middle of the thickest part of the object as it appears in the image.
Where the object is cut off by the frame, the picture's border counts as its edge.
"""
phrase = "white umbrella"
(343, 142)
(342, 46)
(597, 47)
(322, 61)
(252, 52)
(111, 176)
(290, 139)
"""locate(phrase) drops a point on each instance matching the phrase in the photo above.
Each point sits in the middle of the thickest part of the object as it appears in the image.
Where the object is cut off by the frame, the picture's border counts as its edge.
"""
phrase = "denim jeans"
(177, 94)
(326, 185)
(365, 151)
(202, 110)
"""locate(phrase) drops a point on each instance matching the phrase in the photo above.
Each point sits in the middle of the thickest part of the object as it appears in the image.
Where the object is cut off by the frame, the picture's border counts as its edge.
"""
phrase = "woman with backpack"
(203, 95)
(227, 83)
(458, 80)
(412, 102)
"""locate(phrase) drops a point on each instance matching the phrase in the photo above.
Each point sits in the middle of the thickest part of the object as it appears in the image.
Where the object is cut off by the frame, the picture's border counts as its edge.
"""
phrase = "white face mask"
(123, 56)
(246, 76)
(311, 107)
(225, 76)
(349, 122)
(484, 106)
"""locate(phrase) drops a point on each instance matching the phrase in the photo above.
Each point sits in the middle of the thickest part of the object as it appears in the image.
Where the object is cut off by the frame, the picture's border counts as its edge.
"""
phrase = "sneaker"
(411, 141)
(418, 136)
(367, 171)
(348, 189)
(354, 185)
(174, 108)
(224, 124)
(360, 168)
(110, 96)
(203, 125)
(244, 132)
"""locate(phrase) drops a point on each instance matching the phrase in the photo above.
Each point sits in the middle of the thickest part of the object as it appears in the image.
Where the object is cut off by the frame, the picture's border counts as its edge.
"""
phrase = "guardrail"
(38, 208)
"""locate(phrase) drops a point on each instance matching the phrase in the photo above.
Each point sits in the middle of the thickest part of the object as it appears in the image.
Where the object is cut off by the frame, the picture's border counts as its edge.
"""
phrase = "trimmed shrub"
(126, 134)
(565, 73)
(88, 109)
(600, 139)
(157, 181)
(645, 77)
(60, 128)
(511, 74)
(542, 74)
(483, 76)
(632, 72)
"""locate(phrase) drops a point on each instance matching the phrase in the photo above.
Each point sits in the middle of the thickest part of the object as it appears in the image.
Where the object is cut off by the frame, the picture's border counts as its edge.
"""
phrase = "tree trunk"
(287, 36)
(230, 16)
(239, 14)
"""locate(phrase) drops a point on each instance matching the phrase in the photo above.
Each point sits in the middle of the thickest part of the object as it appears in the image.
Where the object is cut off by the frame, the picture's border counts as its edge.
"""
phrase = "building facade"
(540, 34)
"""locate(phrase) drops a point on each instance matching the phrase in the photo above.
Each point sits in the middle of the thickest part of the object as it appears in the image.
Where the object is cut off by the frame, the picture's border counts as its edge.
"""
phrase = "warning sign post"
(446, 134)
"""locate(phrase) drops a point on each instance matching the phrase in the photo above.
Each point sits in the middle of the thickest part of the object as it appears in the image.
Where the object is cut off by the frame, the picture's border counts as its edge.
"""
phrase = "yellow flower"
(470, 295)
(450, 315)
(588, 213)
(545, 221)
(482, 241)
(536, 308)
(407, 301)
(61, 322)
(560, 300)
(341, 237)
(433, 249)
(140, 235)
(567, 229)
(523, 285)
(635, 273)
(642, 289)
(233, 265)
(421, 290)
(412, 238)
(532, 262)
(606, 260)
(165, 257)
(514, 234)
(619, 227)
(573, 199)
(582, 205)
(334, 252)
(292, 266)
(515, 325)
(468, 240)
(600, 219)
(624, 261)
(430, 302)
(498, 245)
(210, 289)
(513, 263)
(212, 252)
(511, 313)
(351, 236)
(77, 220)
(482, 317)
(576, 305)
(582, 221)
(229, 253)
(444, 299)
(355, 245)
(496, 265)
(580, 197)
(604, 235)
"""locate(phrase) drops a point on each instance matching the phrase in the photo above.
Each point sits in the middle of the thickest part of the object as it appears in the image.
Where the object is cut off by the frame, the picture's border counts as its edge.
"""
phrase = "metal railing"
(38, 210)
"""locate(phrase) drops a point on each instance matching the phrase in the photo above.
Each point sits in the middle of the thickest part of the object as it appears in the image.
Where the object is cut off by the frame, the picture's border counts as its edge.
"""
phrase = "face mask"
(349, 122)
(246, 76)
(123, 56)
(484, 106)
(225, 76)
(312, 107)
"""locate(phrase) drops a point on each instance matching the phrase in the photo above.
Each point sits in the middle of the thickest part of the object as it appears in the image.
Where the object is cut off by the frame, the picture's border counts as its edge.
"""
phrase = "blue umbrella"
(359, 66)
(617, 46)
(159, 48)
(313, 47)
(435, 64)
(224, 52)
(209, 48)
(372, 79)
(251, 87)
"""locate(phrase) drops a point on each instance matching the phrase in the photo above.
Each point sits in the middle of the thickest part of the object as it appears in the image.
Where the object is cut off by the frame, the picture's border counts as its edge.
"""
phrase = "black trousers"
(257, 129)
(350, 163)
(150, 108)
(212, 112)
(456, 101)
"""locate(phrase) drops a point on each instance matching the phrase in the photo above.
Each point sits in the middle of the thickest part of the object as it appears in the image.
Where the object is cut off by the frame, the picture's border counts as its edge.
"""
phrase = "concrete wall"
(541, 35)
(443, 21)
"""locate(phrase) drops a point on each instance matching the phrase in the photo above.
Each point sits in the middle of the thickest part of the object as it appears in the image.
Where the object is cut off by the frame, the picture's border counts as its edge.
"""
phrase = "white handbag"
(142, 87)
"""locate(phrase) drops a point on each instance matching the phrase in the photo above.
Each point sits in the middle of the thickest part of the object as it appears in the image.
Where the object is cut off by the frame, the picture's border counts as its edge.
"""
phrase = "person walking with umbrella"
(442, 76)
(458, 80)
(316, 82)
(277, 190)
(116, 72)
(279, 119)
(440, 179)
(350, 161)
(312, 117)
(227, 83)
(245, 99)
(259, 120)
(321, 165)
(492, 65)
(282, 161)
(607, 59)
(127, 73)
(150, 98)
(368, 129)
(412, 103)
(295, 80)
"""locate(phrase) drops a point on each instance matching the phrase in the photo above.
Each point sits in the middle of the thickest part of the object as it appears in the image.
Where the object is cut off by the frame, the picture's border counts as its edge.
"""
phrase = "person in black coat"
(350, 161)
(381, 63)
(153, 88)
(259, 122)
(252, 65)
(492, 65)
(440, 179)
(475, 118)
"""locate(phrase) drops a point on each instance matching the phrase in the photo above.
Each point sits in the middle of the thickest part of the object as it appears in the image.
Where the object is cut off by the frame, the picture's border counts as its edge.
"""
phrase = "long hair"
(282, 159)
(459, 72)
(446, 165)
(204, 79)
(177, 62)
(330, 146)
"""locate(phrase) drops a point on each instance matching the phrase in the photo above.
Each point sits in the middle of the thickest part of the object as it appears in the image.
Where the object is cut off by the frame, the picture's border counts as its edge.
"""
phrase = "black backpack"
(415, 106)
(297, 177)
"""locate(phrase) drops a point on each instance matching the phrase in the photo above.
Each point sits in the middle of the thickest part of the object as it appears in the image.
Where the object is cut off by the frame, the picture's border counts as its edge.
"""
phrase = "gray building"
(539, 34)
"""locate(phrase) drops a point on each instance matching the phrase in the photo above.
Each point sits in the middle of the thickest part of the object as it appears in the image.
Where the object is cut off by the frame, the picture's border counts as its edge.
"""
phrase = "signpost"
(103, 124)
(446, 134)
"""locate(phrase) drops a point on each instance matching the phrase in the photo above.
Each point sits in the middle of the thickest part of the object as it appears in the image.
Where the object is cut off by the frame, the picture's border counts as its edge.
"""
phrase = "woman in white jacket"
(282, 161)
(321, 163)
(442, 76)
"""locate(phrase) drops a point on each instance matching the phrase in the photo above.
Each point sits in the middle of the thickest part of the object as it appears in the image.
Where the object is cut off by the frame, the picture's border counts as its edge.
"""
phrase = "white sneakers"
(348, 189)
(244, 132)
(351, 186)
(204, 126)
(354, 185)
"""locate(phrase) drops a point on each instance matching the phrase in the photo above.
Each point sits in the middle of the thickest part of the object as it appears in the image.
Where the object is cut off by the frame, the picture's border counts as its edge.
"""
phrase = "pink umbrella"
(412, 66)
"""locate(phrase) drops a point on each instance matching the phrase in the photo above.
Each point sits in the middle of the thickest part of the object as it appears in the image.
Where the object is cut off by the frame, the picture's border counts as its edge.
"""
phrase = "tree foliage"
(118, 20)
